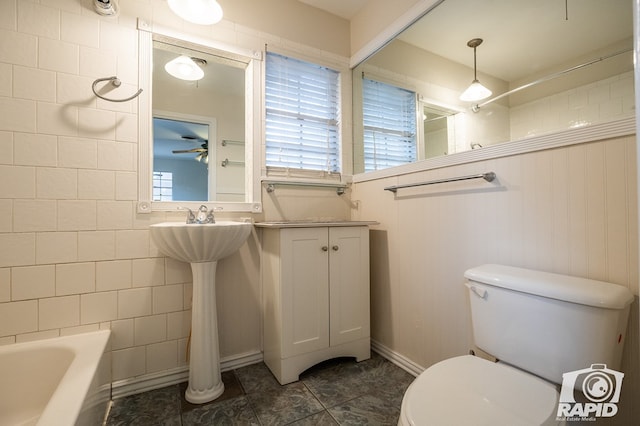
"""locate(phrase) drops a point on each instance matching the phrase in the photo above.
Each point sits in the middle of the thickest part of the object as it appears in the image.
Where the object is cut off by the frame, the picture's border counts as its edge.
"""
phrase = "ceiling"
(221, 75)
(346, 9)
(520, 37)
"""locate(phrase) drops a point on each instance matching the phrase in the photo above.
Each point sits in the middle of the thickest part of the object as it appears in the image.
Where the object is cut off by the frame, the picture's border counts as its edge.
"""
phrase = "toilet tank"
(547, 324)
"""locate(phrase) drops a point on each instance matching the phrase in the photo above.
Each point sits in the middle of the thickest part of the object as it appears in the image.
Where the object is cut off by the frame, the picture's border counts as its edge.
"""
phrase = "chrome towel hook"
(116, 82)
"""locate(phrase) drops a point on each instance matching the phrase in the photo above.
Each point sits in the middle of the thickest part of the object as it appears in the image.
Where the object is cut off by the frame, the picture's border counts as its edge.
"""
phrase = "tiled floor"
(338, 392)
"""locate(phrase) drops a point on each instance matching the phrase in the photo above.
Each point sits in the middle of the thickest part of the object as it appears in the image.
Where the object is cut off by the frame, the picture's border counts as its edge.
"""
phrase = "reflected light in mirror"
(201, 12)
(475, 92)
(184, 68)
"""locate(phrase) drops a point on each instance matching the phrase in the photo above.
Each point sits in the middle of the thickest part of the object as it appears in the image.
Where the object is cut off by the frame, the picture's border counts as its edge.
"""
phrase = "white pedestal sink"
(202, 245)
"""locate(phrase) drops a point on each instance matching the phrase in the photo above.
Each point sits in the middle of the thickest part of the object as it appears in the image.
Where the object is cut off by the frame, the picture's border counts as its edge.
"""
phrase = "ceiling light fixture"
(201, 12)
(106, 7)
(476, 91)
(185, 68)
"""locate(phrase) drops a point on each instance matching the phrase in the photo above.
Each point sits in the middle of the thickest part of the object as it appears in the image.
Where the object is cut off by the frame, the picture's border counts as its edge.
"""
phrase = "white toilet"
(539, 325)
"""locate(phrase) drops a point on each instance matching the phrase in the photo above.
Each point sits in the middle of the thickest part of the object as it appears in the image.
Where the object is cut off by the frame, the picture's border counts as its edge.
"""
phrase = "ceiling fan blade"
(190, 138)
(187, 151)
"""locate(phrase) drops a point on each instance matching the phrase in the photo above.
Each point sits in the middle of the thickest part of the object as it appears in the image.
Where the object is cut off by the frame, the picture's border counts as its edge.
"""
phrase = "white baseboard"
(147, 382)
(400, 360)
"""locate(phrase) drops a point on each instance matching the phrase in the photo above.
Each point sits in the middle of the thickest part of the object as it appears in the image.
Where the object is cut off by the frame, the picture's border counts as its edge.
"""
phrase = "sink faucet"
(202, 216)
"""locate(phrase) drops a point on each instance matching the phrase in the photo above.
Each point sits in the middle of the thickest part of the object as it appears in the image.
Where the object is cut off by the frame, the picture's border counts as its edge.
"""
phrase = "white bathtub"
(62, 381)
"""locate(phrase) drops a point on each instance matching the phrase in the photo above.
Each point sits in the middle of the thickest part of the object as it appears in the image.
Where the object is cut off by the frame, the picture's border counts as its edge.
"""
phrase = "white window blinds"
(302, 115)
(389, 115)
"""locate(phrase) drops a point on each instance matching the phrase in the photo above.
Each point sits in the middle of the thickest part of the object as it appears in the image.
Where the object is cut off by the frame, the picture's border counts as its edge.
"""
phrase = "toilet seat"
(468, 390)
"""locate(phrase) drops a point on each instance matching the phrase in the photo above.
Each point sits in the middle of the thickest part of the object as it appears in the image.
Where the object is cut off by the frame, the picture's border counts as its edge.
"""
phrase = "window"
(162, 186)
(302, 115)
(389, 116)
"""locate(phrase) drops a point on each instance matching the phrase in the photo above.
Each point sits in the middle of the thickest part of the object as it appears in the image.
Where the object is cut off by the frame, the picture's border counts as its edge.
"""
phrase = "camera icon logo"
(590, 392)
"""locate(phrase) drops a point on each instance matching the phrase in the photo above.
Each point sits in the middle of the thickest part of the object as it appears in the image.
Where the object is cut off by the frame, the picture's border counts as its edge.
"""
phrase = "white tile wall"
(150, 329)
(162, 356)
(75, 278)
(18, 317)
(127, 363)
(605, 100)
(34, 215)
(98, 307)
(17, 114)
(5, 285)
(134, 303)
(35, 150)
(113, 275)
(96, 245)
(33, 282)
(58, 312)
(6, 147)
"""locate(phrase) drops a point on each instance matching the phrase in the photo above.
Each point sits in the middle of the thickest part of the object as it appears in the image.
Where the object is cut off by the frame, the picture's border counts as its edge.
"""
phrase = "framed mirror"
(551, 66)
(199, 118)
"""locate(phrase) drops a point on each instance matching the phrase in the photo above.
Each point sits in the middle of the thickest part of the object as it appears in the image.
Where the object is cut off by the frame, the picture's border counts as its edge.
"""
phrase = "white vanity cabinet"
(316, 295)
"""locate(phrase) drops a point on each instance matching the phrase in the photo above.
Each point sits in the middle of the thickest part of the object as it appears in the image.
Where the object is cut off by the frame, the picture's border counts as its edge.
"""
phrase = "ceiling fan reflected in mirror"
(203, 151)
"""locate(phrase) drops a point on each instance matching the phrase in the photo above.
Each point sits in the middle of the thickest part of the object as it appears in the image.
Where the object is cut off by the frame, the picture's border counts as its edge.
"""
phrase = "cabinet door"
(305, 290)
(349, 283)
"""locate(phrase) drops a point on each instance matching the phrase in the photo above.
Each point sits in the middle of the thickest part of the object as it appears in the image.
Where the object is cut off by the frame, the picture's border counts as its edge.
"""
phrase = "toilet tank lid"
(555, 286)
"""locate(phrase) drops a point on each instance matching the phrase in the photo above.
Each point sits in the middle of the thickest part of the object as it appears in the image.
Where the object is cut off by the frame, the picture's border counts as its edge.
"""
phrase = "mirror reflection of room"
(198, 125)
(541, 82)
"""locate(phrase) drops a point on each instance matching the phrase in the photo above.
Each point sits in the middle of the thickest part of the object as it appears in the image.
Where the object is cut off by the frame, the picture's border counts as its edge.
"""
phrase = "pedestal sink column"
(202, 245)
(205, 383)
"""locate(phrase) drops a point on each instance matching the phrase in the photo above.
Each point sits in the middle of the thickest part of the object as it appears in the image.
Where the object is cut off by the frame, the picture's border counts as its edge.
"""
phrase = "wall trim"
(592, 133)
(147, 382)
(400, 360)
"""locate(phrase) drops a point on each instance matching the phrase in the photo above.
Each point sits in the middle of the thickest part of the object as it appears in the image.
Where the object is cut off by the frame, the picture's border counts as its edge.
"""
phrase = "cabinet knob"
(325, 248)
(335, 248)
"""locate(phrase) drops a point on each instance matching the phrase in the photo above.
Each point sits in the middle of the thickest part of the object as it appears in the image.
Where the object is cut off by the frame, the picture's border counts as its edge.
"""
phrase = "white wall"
(570, 210)
(74, 255)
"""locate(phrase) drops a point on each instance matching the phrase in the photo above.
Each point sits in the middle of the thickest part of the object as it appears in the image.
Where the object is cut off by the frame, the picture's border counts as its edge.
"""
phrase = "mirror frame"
(147, 33)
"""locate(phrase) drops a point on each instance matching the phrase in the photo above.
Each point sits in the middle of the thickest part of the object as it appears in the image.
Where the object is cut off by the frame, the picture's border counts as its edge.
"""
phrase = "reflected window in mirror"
(389, 125)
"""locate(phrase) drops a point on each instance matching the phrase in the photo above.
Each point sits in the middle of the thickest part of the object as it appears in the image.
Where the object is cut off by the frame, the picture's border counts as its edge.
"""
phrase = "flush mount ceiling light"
(476, 91)
(106, 7)
(202, 12)
(185, 68)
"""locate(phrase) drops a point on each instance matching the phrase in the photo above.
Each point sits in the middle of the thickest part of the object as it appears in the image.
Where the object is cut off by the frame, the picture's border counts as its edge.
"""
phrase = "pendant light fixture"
(202, 12)
(185, 68)
(476, 91)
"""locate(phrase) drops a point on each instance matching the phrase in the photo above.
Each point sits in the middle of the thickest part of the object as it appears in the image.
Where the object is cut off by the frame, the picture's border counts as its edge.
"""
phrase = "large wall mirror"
(198, 124)
(551, 65)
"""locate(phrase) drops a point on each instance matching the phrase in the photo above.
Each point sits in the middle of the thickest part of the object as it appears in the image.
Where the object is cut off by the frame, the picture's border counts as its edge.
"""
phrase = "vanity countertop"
(314, 223)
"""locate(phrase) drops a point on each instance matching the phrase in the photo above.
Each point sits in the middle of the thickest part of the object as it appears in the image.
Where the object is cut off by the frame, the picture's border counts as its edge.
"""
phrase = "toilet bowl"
(541, 326)
(468, 390)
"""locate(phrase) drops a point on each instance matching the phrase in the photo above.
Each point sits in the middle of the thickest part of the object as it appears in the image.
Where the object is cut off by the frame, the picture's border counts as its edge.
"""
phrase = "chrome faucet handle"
(191, 217)
(210, 217)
